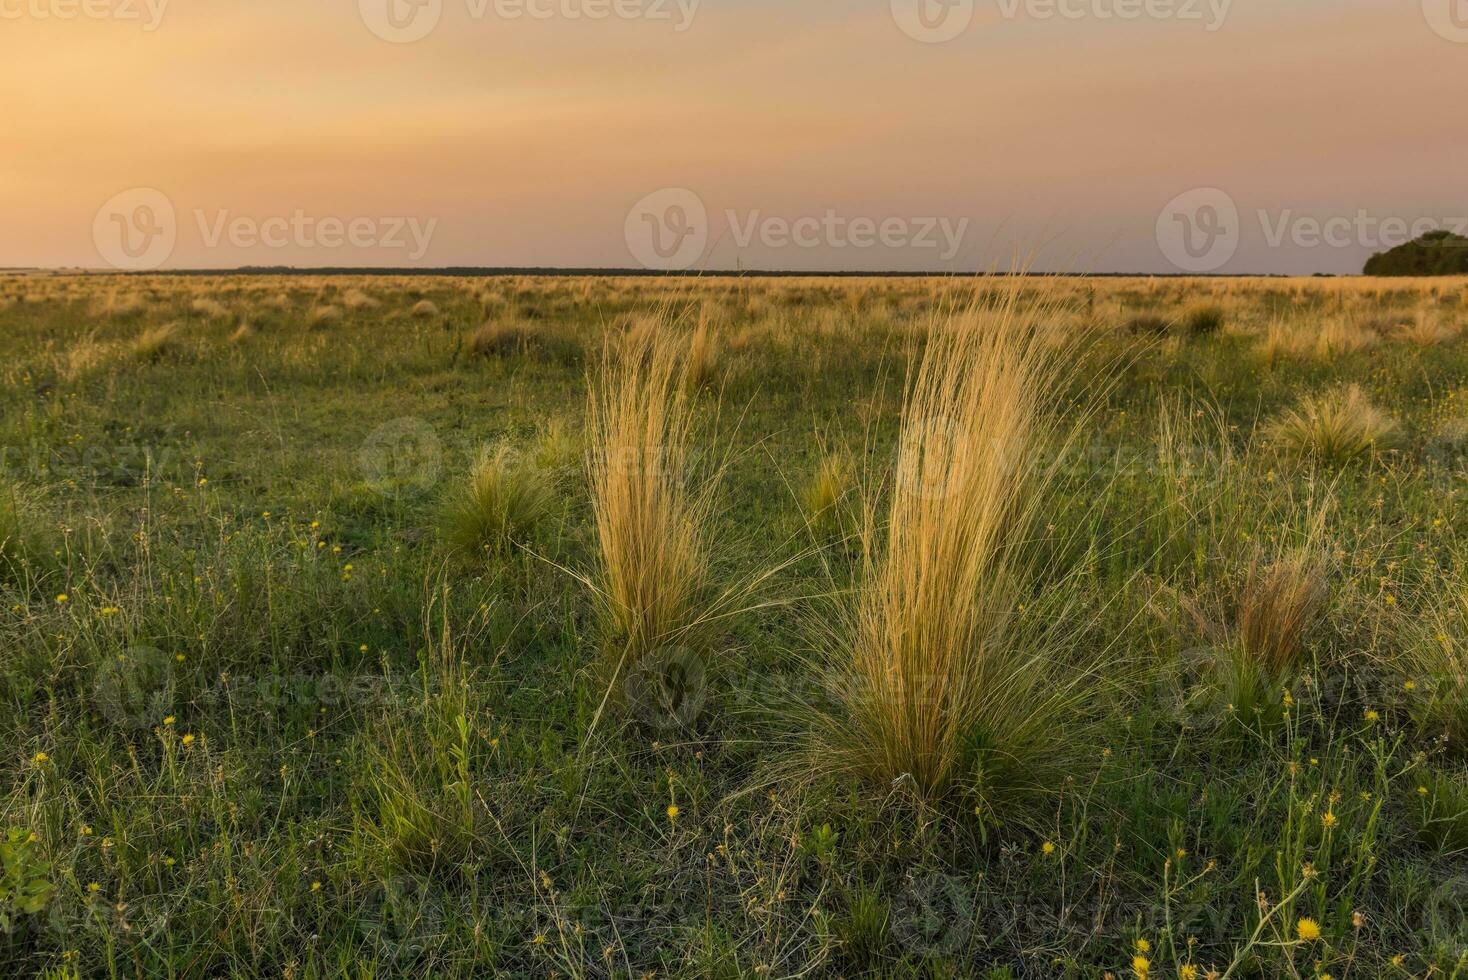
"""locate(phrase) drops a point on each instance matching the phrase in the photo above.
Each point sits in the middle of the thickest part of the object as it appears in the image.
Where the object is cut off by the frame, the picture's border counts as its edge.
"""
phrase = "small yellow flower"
(315, 886)
(1409, 685)
(265, 514)
(169, 862)
(1308, 930)
(1187, 972)
(1421, 790)
(39, 758)
(1373, 716)
(1399, 959)
(1143, 946)
(362, 648)
(673, 811)
(63, 599)
(94, 888)
(188, 739)
(168, 722)
(539, 939)
(203, 481)
(1329, 820)
(1047, 848)
(1141, 965)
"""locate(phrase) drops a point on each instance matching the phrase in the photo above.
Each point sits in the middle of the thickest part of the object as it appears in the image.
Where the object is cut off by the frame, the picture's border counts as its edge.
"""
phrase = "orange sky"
(526, 141)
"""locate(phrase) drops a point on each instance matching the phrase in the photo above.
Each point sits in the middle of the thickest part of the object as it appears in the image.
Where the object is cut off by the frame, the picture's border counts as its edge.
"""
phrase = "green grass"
(278, 727)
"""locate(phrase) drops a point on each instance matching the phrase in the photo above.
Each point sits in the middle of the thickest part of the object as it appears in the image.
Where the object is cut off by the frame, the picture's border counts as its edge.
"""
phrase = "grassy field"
(548, 627)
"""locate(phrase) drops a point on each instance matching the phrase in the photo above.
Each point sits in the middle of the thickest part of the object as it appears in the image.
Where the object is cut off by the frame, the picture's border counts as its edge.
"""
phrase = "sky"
(1156, 136)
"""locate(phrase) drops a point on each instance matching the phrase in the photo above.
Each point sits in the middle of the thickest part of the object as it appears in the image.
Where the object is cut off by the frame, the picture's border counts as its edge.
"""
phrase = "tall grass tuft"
(653, 517)
(1204, 321)
(703, 355)
(503, 499)
(1435, 662)
(24, 550)
(833, 479)
(156, 343)
(1336, 427)
(1278, 604)
(942, 687)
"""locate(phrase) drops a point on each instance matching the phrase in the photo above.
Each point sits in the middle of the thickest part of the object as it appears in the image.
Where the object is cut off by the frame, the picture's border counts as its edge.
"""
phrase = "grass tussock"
(503, 500)
(324, 316)
(943, 688)
(1336, 427)
(1424, 329)
(424, 309)
(1204, 321)
(210, 309)
(499, 338)
(158, 343)
(829, 485)
(703, 356)
(1435, 665)
(653, 517)
(1279, 603)
(357, 301)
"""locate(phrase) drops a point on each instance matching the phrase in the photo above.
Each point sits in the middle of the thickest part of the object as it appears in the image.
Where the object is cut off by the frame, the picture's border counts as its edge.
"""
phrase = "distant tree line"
(1437, 253)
